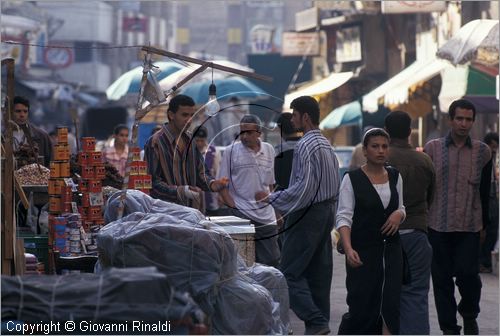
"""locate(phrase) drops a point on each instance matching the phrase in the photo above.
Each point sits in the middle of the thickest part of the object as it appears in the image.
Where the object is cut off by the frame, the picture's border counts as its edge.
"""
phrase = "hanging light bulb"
(212, 107)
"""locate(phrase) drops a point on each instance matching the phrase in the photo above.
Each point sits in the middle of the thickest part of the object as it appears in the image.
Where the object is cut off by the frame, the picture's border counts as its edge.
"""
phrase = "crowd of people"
(404, 216)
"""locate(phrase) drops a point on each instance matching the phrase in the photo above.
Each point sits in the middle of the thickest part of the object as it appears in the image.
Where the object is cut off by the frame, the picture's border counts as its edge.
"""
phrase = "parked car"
(344, 155)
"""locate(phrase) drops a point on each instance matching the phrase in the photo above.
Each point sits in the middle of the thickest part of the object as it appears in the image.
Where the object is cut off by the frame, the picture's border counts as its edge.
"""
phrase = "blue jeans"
(414, 310)
(307, 262)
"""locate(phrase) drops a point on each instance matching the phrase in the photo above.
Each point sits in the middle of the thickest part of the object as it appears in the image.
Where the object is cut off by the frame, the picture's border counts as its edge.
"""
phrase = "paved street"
(488, 318)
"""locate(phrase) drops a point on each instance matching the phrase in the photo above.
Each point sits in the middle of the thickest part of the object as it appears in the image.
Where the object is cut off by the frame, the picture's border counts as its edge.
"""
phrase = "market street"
(487, 320)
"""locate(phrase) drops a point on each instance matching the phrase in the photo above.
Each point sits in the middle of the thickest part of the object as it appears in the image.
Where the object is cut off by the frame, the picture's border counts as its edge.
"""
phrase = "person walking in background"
(175, 163)
(369, 214)
(455, 219)
(212, 161)
(116, 153)
(249, 166)
(284, 159)
(284, 151)
(309, 203)
(418, 176)
(489, 190)
(358, 158)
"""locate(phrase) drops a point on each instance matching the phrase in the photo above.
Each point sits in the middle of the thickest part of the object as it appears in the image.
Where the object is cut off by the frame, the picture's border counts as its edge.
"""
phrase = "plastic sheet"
(113, 296)
(274, 281)
(197, 256)
(194, 257)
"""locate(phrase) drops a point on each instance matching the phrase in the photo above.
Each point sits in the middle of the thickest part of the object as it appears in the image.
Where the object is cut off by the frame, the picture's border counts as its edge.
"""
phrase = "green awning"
(348, 114)
(469, 83)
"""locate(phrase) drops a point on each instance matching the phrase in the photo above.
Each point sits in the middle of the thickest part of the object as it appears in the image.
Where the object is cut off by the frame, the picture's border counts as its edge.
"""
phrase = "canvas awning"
(396, 91)
(322, 86)
(474, 82)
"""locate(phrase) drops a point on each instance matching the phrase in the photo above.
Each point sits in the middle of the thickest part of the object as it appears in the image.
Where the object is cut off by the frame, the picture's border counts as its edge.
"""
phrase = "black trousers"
(455, 254)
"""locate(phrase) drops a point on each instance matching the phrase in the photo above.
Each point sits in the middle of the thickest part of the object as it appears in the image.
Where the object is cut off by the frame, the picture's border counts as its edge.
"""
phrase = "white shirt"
(249, 172)
(347, 200)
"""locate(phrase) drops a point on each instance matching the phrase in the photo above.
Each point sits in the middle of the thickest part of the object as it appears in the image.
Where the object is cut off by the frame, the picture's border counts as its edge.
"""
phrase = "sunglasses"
(249, 132)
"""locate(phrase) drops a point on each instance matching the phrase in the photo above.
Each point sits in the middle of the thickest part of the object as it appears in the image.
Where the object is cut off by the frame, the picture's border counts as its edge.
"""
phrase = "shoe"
(451, 332)
(484, 269)
(317, 330)
(471, 327)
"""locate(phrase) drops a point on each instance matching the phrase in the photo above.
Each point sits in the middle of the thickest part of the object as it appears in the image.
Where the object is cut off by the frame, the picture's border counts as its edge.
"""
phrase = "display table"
(242, 232)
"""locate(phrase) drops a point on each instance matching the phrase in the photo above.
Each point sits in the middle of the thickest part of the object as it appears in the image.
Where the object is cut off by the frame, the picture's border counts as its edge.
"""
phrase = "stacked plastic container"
(139, 179)
(90, 187)
(60, 193)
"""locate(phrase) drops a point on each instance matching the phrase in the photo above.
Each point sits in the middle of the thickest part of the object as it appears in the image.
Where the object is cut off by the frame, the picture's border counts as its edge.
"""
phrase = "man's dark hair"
(398, 124)
(22, 100)
(118, 128)
(180, 100)
(464, 104)
(252, 119)
(309, 105)
(374, 132)
(490, 137)
(200, 132)
(285, 123)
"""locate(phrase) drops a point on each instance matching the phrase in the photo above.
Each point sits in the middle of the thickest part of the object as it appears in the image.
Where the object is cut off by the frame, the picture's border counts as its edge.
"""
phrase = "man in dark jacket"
(29, 142)
(418, 175)
(489, 200)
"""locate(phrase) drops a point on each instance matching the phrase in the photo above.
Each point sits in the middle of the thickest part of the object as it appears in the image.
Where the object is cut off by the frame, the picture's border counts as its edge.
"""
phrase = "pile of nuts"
(33, 174)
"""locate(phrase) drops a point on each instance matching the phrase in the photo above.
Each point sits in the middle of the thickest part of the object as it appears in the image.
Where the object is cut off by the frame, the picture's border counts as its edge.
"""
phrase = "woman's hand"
(353, 258)
(391, 226)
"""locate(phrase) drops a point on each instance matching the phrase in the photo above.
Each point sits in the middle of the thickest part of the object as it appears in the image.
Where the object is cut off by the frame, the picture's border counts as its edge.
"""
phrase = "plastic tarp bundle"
(137, 201)
(274, 281)
(128, 294)
(197, 256)
(193, 257)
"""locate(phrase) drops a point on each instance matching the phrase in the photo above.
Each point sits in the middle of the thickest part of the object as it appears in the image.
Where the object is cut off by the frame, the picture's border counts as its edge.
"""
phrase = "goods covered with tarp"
(196, 255)
(115, 295)
(274, 281)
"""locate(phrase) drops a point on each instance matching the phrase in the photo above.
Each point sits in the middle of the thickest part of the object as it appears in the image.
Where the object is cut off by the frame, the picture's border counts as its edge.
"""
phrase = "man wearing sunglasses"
(249, 165)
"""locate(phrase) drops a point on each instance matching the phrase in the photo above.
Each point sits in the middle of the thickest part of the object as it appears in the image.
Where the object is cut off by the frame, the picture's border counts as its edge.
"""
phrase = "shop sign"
(300, 44)
(306, 19)
(394, 7)
(262, 39)
(348, 44)
(57, 57)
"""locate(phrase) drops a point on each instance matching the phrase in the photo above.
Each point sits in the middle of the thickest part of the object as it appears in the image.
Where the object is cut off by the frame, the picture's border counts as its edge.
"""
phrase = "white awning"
(454, 85)
(395, 90)
(324, 85)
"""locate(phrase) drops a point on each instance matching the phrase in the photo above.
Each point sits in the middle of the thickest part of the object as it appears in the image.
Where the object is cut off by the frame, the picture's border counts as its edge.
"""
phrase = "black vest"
(369, 213)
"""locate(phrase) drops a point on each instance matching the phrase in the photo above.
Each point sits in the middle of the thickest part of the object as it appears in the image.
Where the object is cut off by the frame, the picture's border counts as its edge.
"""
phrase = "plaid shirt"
(178, 168)
(457, 206)
(119, 161)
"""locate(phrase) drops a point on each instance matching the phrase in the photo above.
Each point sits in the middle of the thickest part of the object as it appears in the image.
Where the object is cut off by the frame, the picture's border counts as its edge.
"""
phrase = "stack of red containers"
(139, 179)
(90, 186)
(60, 193)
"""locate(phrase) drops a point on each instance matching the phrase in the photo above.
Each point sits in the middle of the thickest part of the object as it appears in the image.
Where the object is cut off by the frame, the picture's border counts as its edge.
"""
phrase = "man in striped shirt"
(177, 168)
(309, 202)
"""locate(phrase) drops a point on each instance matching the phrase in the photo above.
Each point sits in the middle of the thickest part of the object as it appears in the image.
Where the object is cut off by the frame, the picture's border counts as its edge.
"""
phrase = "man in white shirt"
(249, 165)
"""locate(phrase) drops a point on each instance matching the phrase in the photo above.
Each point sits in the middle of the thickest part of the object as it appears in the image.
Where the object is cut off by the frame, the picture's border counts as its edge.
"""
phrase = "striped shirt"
(457, 206)
(171, 168)
(314, 177)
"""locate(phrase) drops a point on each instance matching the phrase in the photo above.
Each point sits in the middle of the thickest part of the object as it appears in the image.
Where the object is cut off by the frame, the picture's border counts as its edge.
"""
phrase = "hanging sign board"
(300, 44)
(401, 7)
